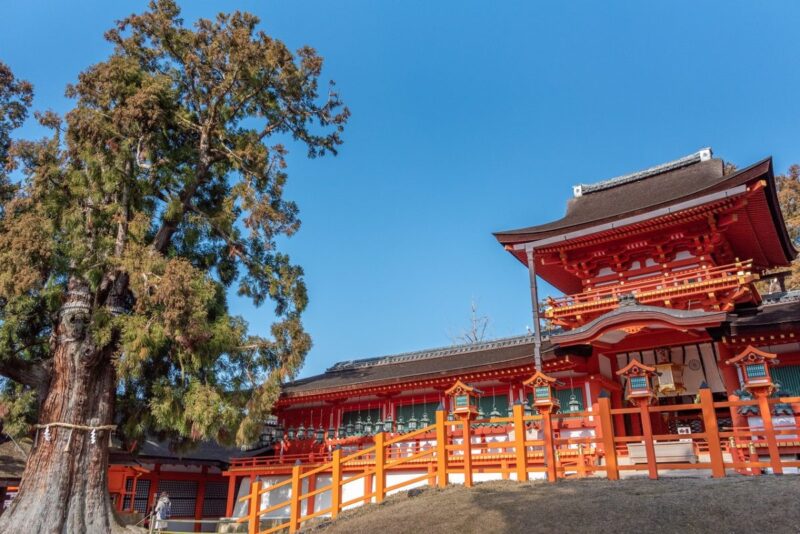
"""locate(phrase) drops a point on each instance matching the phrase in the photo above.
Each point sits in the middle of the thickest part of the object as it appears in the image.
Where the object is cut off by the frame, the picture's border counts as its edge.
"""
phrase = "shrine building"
(675, 269)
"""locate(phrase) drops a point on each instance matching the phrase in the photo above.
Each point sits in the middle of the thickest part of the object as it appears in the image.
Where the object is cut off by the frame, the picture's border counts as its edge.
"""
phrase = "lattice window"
(216, 499)
(638, 382)
(182, 494)
(756, 370)
(140, 499)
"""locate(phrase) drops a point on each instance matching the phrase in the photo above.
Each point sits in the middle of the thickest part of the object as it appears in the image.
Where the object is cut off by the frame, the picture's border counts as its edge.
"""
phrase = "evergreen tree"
(160, 192)
(789, 197)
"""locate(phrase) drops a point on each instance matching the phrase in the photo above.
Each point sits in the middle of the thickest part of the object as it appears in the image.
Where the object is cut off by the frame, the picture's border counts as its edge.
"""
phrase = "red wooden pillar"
(730, 375)
(200, 498)
(619, 419)
(231, 496)
(647, 434)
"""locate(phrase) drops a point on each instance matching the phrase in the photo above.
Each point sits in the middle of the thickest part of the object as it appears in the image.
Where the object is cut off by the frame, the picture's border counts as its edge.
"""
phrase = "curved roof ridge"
(430, 353)
(703, 154)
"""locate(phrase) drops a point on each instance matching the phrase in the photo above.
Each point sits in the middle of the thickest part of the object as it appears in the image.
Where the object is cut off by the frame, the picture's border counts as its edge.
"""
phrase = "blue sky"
(470, 117)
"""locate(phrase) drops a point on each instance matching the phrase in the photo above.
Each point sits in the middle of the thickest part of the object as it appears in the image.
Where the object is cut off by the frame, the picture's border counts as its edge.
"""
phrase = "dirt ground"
(680, 505)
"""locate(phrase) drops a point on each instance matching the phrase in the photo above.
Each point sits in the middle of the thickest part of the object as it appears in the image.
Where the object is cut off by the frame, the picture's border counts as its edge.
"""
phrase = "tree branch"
(34, 375)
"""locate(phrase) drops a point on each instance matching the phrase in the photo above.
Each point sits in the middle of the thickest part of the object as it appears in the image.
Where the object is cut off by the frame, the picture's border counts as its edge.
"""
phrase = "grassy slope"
(680, 505)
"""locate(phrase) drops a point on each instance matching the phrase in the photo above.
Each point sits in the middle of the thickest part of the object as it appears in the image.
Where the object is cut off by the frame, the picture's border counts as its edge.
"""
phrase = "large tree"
(123, 232)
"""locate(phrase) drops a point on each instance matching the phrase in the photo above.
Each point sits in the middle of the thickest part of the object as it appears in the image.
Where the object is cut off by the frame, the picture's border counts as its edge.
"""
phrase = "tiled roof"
(500, 353)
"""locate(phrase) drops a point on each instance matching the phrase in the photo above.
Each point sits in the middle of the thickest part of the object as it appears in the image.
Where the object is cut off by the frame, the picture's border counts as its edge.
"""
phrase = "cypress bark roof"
(647, 191)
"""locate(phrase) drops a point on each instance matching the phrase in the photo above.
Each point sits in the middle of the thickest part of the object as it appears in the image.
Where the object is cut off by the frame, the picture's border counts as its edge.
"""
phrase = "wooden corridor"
(743, 450)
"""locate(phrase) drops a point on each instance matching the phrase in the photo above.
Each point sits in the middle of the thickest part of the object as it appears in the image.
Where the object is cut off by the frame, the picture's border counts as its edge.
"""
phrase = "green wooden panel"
(500, 401)
(352, 417)
(417, 410)
(789, 377)
(563, 398)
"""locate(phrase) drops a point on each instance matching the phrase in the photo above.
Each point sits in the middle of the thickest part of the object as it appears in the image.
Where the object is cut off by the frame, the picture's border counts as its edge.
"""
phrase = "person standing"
(162, 511)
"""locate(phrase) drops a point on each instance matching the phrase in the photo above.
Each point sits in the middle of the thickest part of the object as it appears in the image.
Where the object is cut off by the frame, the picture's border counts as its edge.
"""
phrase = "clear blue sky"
(470, 117)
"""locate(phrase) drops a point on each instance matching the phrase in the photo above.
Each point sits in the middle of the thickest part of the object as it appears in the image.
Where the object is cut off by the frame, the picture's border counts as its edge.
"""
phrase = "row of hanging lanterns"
(366, 427)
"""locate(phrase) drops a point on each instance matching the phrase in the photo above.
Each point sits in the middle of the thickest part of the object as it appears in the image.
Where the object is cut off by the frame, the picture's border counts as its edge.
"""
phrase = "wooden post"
(769, 433)
(504, 469)
(441, 448)
(253, 519)
(467, 433)
(549, 446)
(431, 475)
(294, 507)
(581, 462)
(647, 435)
(380, 461)
(310, 502)
(336, 483)
(519, 443)
(231, 496)
(712, 433)
(609, 446)
(200, 497)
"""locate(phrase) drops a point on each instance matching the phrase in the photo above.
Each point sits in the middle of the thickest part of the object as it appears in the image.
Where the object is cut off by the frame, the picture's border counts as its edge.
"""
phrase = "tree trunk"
(64, 488)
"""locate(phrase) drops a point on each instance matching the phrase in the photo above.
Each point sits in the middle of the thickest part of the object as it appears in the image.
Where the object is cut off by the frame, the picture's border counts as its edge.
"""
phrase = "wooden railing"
(605, 451)
(572, 310)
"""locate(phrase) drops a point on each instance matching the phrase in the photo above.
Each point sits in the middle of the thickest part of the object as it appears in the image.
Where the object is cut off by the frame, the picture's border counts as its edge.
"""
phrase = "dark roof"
(200, 453)
(640, 193)
(778, 309)
(13, 456)
(500, 353)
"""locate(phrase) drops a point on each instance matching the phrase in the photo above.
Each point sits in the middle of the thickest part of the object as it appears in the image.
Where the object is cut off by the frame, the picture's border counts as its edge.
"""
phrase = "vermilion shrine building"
(666, 266)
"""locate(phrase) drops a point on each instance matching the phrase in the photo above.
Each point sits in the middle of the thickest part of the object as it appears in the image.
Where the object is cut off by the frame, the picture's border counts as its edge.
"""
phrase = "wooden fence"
(450, 449)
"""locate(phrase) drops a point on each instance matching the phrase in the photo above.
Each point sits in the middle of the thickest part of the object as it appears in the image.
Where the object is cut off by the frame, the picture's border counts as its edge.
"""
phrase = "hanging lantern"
(424, 420)
(368, 426)
(331, 432)
(451, 416)
(301, 432)
(378, 425)
(495, 414)
(349, 429)
(526, 407)
(320, 434)
(412, 423)
(263, 439)
(574, 405)
(481, 415)
(359, 428)
(290, 433)
(387, 424)
(279, 433)
(401, 425)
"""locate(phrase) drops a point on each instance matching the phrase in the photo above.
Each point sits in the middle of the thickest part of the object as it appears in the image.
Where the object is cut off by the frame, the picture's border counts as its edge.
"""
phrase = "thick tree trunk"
(64, 488)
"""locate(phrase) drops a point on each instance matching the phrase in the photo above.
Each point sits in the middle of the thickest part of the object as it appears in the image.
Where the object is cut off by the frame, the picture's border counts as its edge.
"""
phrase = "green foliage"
(789, 198)
(162, 190)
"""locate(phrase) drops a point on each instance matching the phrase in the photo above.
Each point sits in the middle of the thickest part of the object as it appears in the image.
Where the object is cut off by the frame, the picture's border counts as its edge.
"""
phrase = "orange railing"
(536, 444)
(659, 290)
